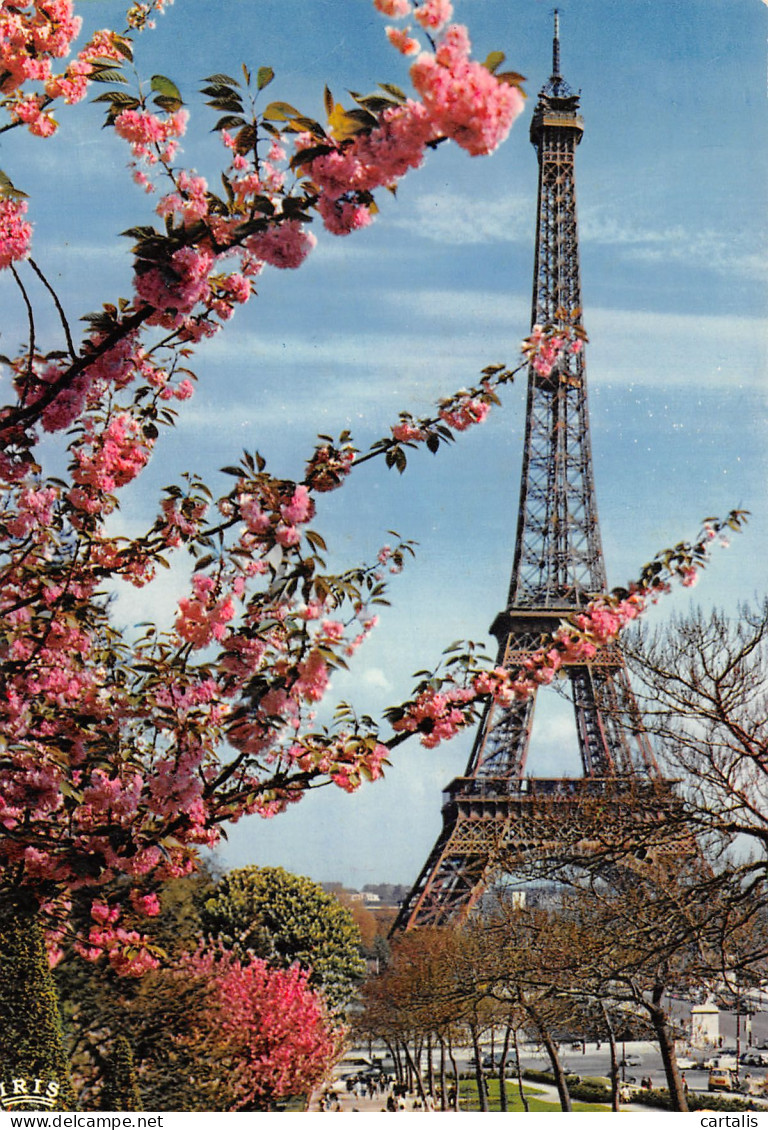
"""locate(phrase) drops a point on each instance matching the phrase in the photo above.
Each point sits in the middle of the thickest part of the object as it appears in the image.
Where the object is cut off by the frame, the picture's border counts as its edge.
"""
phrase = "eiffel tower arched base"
(532, 827)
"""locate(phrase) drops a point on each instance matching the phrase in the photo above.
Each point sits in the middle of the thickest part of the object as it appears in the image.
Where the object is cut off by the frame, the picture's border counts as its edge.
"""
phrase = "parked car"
(490, 1061)
(723, 1079)
(754, 1059)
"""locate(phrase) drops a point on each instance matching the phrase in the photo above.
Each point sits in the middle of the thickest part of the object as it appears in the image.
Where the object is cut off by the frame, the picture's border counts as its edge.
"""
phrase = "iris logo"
(28, 1094)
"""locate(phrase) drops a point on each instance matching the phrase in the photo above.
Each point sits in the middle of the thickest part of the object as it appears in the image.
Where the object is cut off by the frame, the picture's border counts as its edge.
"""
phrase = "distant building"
(705, 1025)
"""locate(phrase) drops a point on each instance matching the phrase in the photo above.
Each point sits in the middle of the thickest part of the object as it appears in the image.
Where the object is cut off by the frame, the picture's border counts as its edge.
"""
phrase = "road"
(595, 1061)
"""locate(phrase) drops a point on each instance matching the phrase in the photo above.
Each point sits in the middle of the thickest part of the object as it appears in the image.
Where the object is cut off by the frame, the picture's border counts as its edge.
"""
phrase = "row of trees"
(598, 964)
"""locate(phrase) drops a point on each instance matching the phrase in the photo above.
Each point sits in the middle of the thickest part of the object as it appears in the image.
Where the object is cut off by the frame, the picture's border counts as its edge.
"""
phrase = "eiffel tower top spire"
(557, 87)
(556, 48)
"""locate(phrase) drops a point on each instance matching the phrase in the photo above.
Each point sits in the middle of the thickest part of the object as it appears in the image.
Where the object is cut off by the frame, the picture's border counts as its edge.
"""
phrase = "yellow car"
(723, 1079)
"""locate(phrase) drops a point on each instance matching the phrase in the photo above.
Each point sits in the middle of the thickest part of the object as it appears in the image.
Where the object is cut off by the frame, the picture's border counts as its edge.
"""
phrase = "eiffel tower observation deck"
(496, 819)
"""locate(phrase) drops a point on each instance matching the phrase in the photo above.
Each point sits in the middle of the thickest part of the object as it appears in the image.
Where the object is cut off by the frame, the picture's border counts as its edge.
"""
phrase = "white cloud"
(454, 218)
(696, 248)
(450, 217)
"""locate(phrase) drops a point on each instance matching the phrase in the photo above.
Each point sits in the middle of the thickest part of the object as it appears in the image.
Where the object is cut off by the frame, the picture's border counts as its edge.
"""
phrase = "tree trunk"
(482, 1093)
(443, 1090)
(677, 1096)
(554, 1059)
(614, 1059)
(503, 1069)
(120, 1090)
(32, 1046)
(398, 1059)
(415, 1075)
(520, 1087)
(456, 1104)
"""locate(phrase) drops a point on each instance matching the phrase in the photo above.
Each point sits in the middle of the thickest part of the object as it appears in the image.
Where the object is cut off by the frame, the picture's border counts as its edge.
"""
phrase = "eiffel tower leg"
(460, 865)
(501, 746)
(612, 738)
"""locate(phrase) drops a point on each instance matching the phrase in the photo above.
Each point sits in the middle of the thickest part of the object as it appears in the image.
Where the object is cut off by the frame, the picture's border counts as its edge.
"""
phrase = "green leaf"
(229, 121)
(375, 103)
(170, 105)
(494, 61)
(511, 78)
(124, 46)
(279, 112)
(221, 79)
(309, 124)
(108, 75)
(162, 85)
(395, 91)
(264, 77)
(204, 562)
(262, 204)
(230, 105)
(119, 98)
(328, 101)
(304, 156)
(246, 139)
(7, 188)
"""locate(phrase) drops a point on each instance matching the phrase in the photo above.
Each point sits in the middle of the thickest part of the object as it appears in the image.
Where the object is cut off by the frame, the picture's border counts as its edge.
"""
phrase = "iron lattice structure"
(495, 819)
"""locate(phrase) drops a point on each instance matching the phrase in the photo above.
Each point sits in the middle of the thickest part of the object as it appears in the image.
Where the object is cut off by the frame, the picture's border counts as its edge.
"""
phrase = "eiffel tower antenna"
(556, 47)
(497, 820)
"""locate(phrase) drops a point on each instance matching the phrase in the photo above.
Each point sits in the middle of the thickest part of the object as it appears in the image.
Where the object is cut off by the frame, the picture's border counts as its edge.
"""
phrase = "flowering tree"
(265, 1026)
(122, 755)
(115, 761)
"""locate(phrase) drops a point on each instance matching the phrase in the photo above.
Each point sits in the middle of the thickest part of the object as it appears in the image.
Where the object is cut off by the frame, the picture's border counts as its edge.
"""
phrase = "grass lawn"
(468, 1098)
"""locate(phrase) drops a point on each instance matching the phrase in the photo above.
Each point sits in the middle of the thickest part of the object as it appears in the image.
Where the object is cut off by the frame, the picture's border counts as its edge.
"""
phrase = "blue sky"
(671, 179)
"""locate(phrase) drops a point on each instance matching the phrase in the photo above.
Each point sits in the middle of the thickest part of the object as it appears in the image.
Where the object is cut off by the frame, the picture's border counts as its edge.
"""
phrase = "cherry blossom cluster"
(183, 282)
(128, 952)
(158, 720)
(34, 34)
(15, 231)
(547, 345)
(460, 99)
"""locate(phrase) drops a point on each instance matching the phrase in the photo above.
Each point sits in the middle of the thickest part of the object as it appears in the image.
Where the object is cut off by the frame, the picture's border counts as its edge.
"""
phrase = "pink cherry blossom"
(469, 411)
(465, 102)
(284, 245)
(15, 231)
(432, 15)
(395, 9)
(402, 41)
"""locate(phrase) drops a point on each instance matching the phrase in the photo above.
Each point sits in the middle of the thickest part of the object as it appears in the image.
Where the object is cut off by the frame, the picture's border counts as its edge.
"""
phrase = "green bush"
(660, 1100)
(586, 1090)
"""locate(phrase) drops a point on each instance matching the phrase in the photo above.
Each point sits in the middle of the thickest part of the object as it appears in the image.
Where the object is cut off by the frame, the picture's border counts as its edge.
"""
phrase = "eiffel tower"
(495, 819)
